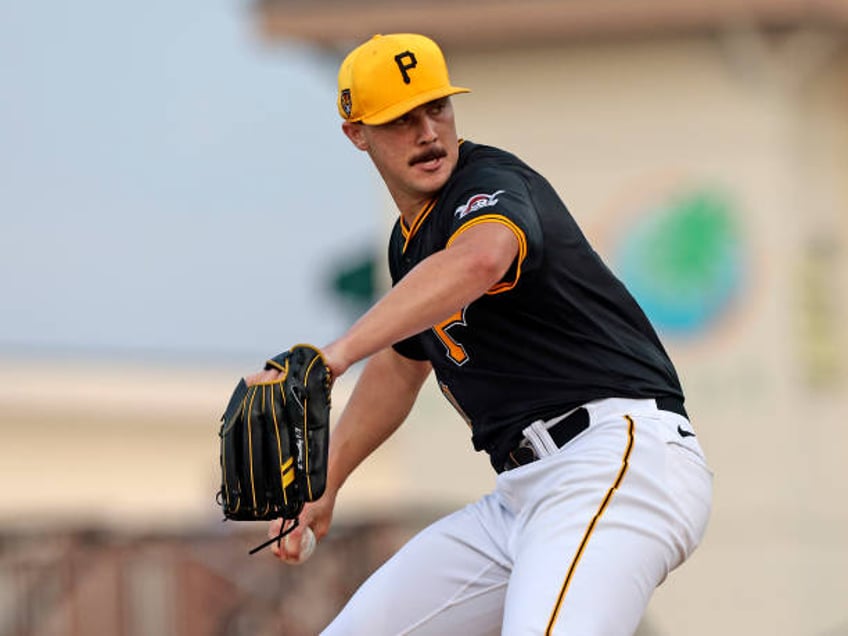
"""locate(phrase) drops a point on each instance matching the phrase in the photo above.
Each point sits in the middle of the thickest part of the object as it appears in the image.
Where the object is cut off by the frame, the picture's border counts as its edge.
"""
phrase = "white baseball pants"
(574, 543)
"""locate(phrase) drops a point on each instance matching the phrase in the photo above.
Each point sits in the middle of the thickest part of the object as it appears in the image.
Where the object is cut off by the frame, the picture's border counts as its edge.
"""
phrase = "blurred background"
(159, 162)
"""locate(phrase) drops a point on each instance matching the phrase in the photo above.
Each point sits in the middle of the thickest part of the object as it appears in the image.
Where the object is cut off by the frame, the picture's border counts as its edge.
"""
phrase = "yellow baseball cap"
(389, 75)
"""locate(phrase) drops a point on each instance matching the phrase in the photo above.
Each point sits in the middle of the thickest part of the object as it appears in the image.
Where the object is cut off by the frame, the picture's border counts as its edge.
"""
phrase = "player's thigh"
(449, 579)
(597, 588)
(647, 530)
(589, 559)
(576, 572)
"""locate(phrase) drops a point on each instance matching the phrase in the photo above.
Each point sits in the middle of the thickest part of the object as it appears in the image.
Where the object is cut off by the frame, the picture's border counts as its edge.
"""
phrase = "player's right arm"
(381, 400)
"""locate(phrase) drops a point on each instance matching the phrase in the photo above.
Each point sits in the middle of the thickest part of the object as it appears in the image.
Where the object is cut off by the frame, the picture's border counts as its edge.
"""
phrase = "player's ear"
(356, 133)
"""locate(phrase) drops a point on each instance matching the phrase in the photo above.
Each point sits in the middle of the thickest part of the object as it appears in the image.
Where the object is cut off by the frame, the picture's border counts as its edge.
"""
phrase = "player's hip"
(618, 442)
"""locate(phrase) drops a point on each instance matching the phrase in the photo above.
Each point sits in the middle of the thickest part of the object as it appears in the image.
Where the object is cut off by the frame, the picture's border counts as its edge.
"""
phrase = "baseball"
(307, 546)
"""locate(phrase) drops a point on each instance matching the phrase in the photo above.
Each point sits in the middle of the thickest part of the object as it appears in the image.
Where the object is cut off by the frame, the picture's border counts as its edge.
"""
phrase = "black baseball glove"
(274, 439)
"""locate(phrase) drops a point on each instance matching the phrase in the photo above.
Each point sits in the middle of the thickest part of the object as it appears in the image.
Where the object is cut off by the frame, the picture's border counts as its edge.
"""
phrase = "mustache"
(428, 155)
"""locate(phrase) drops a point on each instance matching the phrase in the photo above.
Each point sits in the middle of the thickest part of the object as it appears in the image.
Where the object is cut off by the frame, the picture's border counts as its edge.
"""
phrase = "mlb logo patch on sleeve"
(477, 202)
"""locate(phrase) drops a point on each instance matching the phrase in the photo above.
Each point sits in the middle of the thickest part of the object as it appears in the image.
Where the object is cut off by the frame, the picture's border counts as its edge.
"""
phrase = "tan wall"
(614, 127)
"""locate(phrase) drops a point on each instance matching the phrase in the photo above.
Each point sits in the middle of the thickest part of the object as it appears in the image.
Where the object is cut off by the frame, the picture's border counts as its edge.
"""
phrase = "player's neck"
(410, 206)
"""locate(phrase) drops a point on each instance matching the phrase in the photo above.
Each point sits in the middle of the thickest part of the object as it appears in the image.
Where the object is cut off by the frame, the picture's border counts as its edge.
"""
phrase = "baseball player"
(602, 487)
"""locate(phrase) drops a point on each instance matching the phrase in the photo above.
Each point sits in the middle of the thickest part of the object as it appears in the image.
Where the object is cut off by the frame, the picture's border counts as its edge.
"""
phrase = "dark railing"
(197, 584)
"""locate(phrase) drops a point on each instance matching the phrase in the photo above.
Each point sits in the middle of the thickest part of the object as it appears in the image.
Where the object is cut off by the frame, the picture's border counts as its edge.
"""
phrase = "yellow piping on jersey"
(625, 463)
(455, 403)
(417, 223)
(522, 246)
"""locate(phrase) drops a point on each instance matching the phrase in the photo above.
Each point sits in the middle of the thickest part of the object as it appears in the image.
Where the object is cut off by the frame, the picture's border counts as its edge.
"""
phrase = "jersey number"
(455, 351)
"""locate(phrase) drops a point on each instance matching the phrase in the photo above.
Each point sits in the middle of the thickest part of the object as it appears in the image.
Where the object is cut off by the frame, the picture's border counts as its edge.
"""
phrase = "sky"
(171, 184)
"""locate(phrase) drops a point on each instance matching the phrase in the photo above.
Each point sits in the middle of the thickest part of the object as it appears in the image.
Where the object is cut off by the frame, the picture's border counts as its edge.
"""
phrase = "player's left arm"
(440, 285)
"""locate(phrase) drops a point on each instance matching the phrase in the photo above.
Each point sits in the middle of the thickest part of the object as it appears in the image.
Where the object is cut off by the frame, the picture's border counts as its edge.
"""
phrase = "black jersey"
(557, 331)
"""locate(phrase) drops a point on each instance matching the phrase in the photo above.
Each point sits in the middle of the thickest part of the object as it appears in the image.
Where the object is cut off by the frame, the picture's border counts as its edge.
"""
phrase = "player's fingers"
(273, 532)
(274, 528)
(288, 548)
(320, 527)
(262, 376)
(291, 544)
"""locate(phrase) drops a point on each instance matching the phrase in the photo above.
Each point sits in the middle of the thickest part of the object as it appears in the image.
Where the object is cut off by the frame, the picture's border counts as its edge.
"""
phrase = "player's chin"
(430, 181)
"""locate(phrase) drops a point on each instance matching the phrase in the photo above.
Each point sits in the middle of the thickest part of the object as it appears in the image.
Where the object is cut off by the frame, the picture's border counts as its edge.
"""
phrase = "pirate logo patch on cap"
(345, 101)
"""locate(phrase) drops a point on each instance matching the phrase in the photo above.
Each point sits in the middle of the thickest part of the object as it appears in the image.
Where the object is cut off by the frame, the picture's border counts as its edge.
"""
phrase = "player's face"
(415, 153)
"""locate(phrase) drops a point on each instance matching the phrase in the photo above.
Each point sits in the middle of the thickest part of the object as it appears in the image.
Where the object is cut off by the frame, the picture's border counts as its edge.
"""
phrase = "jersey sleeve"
(410, 348)
(500, 196)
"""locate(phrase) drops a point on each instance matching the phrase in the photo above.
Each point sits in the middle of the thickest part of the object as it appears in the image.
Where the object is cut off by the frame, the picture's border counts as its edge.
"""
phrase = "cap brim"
(396, 110)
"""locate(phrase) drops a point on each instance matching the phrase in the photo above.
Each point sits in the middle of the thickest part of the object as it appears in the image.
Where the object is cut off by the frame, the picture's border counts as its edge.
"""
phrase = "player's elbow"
(493, 262)
(485, 253)
(489, 267)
